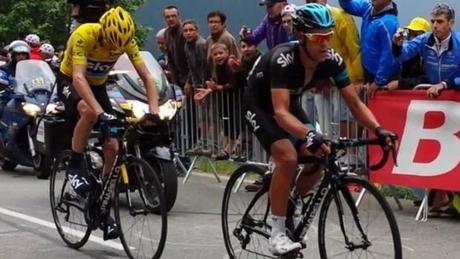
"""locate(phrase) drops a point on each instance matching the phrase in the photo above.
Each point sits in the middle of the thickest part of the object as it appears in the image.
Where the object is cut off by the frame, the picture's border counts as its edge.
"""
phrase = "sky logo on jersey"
(98, 68)
(285, 59)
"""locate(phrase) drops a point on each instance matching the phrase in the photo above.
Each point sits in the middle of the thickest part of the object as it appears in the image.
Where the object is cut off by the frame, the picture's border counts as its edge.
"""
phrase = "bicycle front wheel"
(67, 207)
(245, 212)
(140, 211)
(357, 222)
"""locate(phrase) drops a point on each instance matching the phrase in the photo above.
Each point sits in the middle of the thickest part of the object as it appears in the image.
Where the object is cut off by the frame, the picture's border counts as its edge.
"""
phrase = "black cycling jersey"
(281, 68)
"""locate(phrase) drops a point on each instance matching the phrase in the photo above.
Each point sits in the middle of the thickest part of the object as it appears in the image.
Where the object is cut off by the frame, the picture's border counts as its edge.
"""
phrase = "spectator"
(163, 58)
(250, 54)
(224, 83)
(175, 43)
(219, 34)
(175, 47)
(270, 29)
(379, 24)
(440, 50)
(286, 19)
(34, 42)
(196, 54)
(440, 53)
(412, 72)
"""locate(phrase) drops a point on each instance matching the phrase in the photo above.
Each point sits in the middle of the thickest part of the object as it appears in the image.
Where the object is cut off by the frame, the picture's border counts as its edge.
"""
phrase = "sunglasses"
(319, 37)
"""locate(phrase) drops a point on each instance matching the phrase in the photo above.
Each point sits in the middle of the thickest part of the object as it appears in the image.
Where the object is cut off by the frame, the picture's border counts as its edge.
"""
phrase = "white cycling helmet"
(288, 9)
(32, 39)
(47, 49)
(19, 46)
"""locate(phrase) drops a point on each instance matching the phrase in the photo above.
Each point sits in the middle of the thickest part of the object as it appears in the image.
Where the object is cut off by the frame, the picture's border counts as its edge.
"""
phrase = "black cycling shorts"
(264, 125)
(70, 97)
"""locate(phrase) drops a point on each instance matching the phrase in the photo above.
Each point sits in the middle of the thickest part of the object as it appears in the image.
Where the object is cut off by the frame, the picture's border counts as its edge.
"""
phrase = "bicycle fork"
(337, 188)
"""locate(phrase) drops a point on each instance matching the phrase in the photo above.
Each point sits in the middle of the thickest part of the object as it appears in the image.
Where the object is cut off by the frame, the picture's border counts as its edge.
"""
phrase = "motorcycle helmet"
(117, 27)
(33, 40)
(47, 48)
(19, 46)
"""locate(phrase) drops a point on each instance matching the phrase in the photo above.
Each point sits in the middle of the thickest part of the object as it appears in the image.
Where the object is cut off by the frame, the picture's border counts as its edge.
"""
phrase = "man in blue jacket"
(270, 29)
(440, 50)
(379, 24)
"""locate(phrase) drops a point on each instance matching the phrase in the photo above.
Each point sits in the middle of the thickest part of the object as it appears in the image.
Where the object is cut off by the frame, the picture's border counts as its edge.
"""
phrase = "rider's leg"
(308, 179)
(110, 150)
(284, 156)
(79, 140)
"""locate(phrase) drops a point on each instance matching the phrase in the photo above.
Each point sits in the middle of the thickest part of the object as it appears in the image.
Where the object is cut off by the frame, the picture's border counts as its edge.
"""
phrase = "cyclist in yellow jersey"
(91, 51)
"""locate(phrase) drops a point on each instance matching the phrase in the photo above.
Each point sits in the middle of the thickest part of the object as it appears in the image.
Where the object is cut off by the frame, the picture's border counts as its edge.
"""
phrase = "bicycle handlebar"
(344, 143)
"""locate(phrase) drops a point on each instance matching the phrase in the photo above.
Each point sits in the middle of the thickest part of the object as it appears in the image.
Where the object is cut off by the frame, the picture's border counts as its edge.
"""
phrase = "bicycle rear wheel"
(381, 237)
(140, 211)
(246, 236)
(66, 206)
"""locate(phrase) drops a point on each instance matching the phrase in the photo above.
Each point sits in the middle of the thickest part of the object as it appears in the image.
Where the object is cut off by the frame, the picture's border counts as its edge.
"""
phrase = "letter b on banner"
(446, 135)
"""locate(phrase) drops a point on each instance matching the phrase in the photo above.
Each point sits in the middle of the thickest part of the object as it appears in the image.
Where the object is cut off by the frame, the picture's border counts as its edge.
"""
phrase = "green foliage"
(47, 18)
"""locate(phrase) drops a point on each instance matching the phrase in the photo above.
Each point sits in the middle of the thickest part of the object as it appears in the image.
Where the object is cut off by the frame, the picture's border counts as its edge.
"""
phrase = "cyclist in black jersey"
(273, 111)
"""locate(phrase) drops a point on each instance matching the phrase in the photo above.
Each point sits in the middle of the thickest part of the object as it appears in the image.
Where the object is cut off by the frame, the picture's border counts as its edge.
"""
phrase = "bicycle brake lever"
(393, 154)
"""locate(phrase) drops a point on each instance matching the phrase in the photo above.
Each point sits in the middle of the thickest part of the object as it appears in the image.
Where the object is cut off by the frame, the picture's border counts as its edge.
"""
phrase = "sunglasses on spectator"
(319, 37)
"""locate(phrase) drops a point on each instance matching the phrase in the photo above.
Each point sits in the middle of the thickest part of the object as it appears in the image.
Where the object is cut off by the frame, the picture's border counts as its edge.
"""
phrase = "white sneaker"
(281, 244)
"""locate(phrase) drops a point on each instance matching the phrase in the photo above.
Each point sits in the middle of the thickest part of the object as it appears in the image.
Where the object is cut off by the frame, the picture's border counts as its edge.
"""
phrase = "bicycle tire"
(230, 231)
(144, 187)
(66, 232)
(330, 232)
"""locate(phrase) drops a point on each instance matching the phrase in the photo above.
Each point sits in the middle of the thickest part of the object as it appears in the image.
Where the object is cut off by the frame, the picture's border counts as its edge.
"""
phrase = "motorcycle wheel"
(166, 170)
(42, 166)
(8, 165)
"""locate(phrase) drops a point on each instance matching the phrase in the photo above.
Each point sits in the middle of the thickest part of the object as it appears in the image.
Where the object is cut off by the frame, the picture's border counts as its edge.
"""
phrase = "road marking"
(48, 224)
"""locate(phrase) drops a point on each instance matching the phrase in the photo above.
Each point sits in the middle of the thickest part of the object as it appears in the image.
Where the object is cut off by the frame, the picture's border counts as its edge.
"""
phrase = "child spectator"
(286, 19)
(225, 84)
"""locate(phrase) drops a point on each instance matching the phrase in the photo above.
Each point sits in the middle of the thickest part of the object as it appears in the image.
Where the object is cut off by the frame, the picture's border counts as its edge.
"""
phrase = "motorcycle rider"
(84, 11)
(34, 42)
(18, 50)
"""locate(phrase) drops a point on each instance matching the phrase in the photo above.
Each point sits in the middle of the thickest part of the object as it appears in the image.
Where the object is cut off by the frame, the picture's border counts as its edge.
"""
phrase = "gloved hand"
(386, 136)
(314, 140)
(104, 119)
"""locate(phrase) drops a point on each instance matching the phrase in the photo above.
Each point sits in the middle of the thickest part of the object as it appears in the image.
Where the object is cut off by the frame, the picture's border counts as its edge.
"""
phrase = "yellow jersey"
(85, 47)
(346, 42)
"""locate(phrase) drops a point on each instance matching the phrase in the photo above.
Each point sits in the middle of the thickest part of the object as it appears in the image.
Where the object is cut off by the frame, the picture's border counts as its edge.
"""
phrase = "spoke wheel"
(246, 237)
(381, 240)
(143, 232)
(66, 206)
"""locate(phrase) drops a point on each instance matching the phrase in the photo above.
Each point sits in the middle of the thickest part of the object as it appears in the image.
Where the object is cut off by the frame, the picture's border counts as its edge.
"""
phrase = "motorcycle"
(25, 106)
(152, 143)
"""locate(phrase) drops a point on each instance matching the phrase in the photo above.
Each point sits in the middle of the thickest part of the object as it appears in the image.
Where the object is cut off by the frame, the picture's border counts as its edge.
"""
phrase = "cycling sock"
(75, 160)
(278, 225)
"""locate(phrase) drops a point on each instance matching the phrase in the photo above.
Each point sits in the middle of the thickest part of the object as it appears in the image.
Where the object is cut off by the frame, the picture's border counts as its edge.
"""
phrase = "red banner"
(429, 138)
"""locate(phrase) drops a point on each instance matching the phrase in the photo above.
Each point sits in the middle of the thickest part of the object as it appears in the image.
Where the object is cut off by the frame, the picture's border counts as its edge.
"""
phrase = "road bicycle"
(132, 189)
(355, 220)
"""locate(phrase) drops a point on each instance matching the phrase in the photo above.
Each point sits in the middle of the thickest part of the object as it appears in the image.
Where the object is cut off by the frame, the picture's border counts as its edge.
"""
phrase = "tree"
(49, 19)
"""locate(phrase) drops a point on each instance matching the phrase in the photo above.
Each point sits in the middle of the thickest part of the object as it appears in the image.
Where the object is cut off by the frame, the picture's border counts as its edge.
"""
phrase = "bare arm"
(359, 110)
(150, 87)
(83, 89)
(286, 120)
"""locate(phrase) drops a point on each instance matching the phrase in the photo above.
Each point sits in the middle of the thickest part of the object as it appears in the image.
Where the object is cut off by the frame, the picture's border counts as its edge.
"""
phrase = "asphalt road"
(27, 228)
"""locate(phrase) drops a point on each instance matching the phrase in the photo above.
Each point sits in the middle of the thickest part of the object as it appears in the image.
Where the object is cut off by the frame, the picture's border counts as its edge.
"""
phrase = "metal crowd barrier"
(204, 129)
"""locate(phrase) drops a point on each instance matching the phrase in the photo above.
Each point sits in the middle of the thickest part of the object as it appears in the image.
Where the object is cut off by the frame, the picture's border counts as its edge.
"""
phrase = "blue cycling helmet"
(312, 16)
